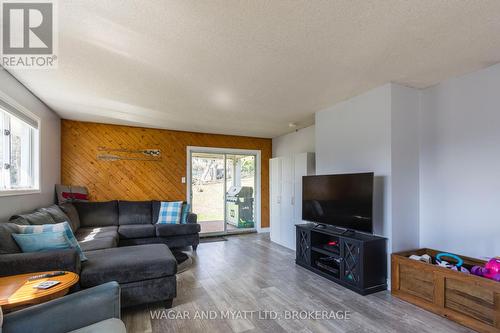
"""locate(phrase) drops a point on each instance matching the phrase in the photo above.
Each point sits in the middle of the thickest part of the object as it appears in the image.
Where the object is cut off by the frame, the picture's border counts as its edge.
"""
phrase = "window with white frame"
(18, 150)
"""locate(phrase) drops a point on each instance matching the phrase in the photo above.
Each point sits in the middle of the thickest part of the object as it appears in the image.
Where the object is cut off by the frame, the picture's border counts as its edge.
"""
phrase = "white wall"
(460, 165)
(405, 109)
(50, 154)
(301, 141)
(355, 136)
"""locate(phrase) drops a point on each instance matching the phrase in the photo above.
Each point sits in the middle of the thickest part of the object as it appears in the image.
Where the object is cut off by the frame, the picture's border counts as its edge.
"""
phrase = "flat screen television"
(343, 200)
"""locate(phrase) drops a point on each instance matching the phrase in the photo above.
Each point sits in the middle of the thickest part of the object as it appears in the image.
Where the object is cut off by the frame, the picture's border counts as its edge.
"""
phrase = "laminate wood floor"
(248, 273)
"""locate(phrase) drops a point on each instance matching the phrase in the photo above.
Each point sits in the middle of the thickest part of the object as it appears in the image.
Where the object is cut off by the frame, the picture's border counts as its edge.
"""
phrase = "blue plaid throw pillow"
(170, 212)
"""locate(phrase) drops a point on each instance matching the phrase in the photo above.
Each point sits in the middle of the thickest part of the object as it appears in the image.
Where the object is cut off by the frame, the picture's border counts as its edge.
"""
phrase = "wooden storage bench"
(470, 300)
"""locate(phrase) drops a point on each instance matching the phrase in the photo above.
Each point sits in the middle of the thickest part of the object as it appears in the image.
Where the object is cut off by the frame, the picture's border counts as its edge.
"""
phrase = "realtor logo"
(28, 34)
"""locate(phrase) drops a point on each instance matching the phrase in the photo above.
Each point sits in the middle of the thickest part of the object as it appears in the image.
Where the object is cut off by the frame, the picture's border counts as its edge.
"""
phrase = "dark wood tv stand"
(354, 260)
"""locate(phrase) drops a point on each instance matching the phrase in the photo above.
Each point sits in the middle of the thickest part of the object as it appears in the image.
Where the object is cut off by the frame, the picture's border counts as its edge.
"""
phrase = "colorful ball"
(492, 268)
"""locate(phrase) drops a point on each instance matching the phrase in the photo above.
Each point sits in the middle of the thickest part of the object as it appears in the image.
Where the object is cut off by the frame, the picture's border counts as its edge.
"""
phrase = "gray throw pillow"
(36, 218)
(16, 219)
(57, 214)
(7, 243)
(74, 219)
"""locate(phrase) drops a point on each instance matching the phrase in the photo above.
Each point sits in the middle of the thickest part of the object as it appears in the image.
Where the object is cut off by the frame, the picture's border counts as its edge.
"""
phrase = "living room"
(258, 166)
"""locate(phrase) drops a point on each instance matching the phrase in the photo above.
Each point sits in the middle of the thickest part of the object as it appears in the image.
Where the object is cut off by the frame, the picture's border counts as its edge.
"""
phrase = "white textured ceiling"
(251, 67)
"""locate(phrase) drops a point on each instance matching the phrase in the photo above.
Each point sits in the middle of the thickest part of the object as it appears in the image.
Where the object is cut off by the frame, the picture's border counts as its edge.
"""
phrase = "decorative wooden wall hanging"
(122, 154)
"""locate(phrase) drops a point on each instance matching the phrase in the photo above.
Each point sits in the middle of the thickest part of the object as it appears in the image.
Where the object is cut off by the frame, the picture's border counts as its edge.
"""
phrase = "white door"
(287, 197)
(300, 169)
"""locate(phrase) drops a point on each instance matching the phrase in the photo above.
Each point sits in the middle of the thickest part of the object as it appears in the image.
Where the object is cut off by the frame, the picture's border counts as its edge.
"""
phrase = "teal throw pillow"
(185, 212)
(63, 226)
(44, 241)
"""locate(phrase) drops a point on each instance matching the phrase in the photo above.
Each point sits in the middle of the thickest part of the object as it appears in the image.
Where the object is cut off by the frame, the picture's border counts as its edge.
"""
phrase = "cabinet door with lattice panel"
(303, 250)
(351, 265)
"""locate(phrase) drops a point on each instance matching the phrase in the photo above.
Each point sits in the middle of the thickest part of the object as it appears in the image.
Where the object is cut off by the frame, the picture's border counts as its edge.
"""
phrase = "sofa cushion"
(155, 210)
(111, 325)
(72, 213)
(166, 230)
(97, 214)
(136, 231)
(35, 218)
(93, 244)
(134, 212)
(7, 243)
(83, 234)
(97, 238)
(127, 264)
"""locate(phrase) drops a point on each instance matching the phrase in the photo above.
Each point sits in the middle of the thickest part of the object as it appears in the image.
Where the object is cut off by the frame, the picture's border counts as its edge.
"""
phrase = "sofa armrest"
(67, 313)
(20, 263)
(192, 218)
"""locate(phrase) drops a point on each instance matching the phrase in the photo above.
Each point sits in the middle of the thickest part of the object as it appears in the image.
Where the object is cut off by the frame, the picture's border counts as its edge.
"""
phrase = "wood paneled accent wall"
(144, 180)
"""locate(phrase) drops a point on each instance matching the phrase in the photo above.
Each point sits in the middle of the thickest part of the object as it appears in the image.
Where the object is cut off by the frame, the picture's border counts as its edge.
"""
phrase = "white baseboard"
(262, 230)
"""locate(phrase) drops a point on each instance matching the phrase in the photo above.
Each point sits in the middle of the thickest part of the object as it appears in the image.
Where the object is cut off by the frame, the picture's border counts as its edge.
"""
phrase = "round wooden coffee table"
(17, 291)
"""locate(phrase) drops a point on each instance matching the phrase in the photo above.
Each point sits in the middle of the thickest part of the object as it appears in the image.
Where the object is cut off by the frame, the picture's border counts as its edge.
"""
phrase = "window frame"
(35, 147)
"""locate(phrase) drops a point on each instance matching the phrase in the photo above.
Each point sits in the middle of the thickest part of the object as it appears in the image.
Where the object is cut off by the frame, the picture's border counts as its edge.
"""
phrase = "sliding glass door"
(240, 192)
(207, 190)
(222, 191)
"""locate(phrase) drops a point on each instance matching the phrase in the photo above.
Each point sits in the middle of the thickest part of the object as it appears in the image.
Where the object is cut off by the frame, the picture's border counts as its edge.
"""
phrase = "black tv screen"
(343, 200)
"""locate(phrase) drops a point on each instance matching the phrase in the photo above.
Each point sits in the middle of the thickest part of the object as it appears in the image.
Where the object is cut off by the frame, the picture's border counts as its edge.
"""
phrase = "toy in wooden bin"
(455, 267)
(423, 258)
(490, 271)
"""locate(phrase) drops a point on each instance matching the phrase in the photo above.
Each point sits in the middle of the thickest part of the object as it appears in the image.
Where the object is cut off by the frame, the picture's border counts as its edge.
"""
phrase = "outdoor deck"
(216, 226)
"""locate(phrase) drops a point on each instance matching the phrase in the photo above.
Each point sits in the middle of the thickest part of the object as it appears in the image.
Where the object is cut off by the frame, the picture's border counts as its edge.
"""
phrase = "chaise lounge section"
(121, 240)
(146, 273)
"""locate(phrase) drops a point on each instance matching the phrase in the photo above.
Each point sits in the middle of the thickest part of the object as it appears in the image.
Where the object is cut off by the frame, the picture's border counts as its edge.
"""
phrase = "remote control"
(48, 275)
(46, 284)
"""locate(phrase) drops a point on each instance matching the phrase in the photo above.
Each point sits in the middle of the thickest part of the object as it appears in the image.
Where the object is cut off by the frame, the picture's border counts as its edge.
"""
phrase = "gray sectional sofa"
(121, 240)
